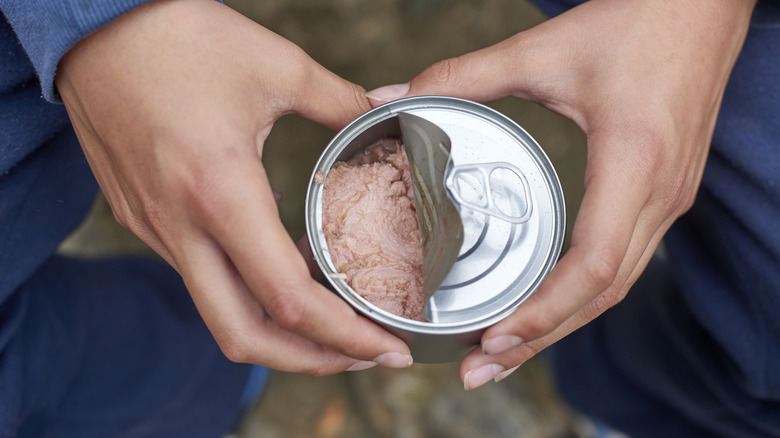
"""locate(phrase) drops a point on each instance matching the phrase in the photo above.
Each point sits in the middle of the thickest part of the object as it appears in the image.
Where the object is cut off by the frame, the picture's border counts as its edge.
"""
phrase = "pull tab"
(441, 229)
(481, 173)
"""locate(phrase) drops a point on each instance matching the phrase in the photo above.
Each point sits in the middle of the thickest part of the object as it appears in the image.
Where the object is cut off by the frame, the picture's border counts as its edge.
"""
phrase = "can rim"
(389, 110)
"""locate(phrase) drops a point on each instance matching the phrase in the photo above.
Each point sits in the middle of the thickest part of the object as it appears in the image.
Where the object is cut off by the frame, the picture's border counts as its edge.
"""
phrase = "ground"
(374, 43)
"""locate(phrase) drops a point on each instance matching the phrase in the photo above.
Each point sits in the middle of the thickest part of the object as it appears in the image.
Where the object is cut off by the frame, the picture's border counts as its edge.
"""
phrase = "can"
(501, 174)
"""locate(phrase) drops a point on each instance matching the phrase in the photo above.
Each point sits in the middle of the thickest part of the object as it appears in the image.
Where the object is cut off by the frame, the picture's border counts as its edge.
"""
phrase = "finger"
(276, 273)
(658, 214)
(501, 70)
(328, 99)
(650, 229)
(477, 76)
(476, 366)
(648, 253)
(602, 234)
(239, 324)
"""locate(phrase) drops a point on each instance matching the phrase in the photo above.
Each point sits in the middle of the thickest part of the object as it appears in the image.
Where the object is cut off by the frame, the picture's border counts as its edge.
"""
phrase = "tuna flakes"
(370, 225)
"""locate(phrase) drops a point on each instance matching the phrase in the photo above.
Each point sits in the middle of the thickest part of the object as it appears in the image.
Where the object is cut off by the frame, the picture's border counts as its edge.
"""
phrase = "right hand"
(172, 103)
(644, 81)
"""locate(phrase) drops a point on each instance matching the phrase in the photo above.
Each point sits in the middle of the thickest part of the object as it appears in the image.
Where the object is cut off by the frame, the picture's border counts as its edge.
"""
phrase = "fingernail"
(479, 376)
(504, 374)
(388, 92)
(362, 365)
(394, 360)
(500, 344)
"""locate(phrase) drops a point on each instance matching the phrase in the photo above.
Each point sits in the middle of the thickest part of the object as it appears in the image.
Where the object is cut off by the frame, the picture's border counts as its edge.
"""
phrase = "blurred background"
(375, 43)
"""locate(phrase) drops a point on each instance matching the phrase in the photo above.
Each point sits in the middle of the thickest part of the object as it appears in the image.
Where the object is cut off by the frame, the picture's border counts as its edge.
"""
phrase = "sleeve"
(48, 29)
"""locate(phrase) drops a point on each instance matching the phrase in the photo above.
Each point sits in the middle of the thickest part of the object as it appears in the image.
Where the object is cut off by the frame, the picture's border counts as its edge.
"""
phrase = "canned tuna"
(510, 203)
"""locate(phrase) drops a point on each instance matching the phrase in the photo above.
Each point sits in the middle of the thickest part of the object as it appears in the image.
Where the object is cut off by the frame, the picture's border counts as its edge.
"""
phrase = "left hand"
(644, 81)
(172, 103)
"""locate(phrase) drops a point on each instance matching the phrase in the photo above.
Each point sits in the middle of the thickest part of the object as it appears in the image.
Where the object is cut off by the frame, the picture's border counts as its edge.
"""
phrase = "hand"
(172, 103)
(644, 81)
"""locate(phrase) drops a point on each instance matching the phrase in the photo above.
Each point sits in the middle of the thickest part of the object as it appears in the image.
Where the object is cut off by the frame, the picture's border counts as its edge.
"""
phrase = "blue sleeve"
(767, 12)
(556, 7)
(48, 29)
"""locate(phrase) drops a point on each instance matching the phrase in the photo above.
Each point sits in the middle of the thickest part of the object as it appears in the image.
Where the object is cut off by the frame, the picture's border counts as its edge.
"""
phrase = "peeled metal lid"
(441, 229)
(511, 205)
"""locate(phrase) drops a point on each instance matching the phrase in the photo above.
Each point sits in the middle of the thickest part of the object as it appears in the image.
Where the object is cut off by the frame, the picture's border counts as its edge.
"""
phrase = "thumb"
(484, 75)
(326, 98)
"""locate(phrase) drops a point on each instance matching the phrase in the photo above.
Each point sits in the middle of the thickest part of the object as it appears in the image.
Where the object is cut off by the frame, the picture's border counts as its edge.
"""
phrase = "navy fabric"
(46, 186)
(729, 245)
(112, 348)
(42, 199)
(87, 349)
(649, 368)
(556, 7)
(694, 350)
(767, 11)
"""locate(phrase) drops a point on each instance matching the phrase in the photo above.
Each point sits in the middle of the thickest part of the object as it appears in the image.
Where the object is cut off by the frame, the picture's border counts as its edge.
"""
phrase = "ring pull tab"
(461, 179)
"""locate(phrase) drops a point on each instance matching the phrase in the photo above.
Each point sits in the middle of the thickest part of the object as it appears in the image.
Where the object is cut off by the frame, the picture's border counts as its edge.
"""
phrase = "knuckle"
(299, 63)
(601, 267)
(124, 218)
(297, 56)
(359, 97)
(146, 224)
(134, 219)
(352, 347)
(234, 347)
(320, 361)
(121, 210)
(326, 367)
(288, 310)
(680, 196)
(151, 218)
(538, 325)
(205, 201)
(199, 186)
(442, 72)
(530, 349)
(686, 203)
(316, 371)
(650, 155)
(303, 68)
(603, 302)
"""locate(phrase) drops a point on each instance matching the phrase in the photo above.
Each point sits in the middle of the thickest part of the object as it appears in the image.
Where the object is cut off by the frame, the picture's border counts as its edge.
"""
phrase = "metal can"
(502, 260)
